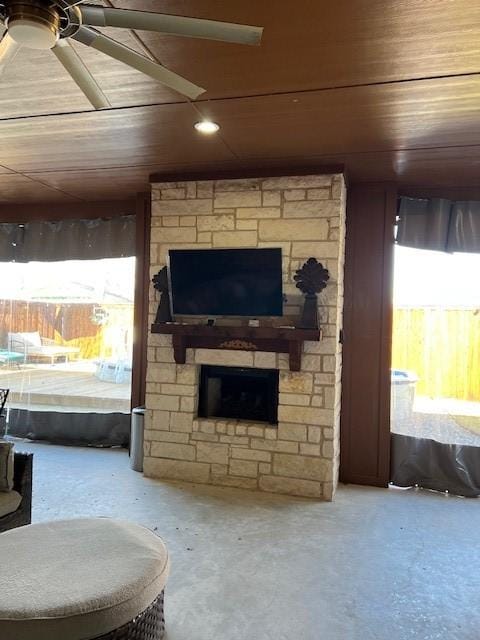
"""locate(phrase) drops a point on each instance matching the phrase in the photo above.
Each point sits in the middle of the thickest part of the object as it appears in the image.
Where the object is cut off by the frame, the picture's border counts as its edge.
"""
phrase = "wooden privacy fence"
(69, 324)
(442, 347)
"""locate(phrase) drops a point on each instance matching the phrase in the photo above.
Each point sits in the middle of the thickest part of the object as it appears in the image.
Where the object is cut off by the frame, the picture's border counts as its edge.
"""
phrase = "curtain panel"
(439, 224)
(68, 240)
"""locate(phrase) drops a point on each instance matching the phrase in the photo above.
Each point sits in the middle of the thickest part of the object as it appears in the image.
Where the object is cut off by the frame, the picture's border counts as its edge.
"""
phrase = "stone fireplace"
(242, 418)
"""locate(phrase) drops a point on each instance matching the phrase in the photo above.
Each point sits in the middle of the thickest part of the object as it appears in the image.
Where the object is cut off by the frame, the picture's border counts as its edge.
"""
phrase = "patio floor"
(374, 564)
(68, 386)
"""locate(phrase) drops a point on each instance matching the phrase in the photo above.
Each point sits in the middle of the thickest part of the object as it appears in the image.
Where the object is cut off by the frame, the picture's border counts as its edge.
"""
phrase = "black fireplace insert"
(238, 393)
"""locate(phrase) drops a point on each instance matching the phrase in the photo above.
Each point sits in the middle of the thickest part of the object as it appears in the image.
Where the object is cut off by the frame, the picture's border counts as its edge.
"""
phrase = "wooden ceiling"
(389, 89)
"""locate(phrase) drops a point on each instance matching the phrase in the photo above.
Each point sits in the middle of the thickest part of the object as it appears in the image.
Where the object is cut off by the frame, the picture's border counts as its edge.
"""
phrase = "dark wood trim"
(65, 211)
(142, 283)
(365, 419)
(259, 172)
(273, 339)
(450, 193)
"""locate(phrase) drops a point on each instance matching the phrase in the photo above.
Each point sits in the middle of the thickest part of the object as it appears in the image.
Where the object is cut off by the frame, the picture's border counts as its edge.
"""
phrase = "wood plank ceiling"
(390, 89)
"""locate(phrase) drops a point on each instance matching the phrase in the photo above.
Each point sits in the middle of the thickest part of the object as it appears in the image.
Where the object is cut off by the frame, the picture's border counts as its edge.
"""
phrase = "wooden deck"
(65, 386)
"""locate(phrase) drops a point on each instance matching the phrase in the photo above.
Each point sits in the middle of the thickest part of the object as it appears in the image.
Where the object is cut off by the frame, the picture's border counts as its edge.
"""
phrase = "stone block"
(250, 454)
(311, 209)
(159, 421)
(273, 445)
(161, 372)
(170, 221)
(246, 468)
(172, 193)
(168, 436)
(164, 403)
(172, 235)
(246, 184)
(237, 440)
(294, 230)
(256, 432)
(205, 237)
(187, 374)
(216, 223)
(206, 426)
(309, 449)
(264, 467)
(294, 399)
(259, 212)
(271, 433)
(295, 382)
(182, 207)
(204, 189)
(188, 404)
(173, 451)
(176, 470)
(311, 363)
(318, 194)
(319, 250)
(237, 199)
(328, 449)
(290, 486)
(164, 354)
(241, 430)
(264, 360)
(298, 182)
(179, 389)
(235, 239)
(295, 432)
(305, 415)
(224, 357)
(188, 221)
(247, 225)
(235, 481)
(294, 194)
(191, 189)
(308, 468)
(271, 199)
(212, 452)
(205, 437)
(181, 422)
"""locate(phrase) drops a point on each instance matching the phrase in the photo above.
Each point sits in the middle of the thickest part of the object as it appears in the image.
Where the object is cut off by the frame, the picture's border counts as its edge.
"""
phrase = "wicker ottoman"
(83, 579)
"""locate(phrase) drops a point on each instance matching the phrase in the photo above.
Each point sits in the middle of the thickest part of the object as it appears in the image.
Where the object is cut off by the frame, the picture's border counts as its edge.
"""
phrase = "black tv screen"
(226, 282)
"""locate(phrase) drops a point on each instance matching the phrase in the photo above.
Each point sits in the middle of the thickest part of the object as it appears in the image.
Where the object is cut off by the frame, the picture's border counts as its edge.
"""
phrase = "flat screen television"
(226, 282)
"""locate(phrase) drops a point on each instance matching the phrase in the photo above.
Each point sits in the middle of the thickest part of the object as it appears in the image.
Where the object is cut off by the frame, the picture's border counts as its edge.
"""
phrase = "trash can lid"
(402, 376)
(140, 410)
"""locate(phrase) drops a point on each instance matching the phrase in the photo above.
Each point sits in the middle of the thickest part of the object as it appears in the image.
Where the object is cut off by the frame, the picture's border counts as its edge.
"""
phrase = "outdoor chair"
(32, 345)
(16, 505)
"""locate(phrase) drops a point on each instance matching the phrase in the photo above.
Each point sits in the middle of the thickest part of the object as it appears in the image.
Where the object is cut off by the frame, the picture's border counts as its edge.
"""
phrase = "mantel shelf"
(275, 339)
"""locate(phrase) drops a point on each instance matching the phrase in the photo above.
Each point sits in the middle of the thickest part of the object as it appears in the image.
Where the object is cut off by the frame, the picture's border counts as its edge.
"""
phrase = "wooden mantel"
(276, 339)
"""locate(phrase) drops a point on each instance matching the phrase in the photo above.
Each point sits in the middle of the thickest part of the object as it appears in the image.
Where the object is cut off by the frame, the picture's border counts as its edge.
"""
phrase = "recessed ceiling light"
(206, 126)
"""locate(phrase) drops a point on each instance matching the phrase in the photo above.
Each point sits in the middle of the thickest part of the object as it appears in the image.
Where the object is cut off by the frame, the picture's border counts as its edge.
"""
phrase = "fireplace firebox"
(238, 393)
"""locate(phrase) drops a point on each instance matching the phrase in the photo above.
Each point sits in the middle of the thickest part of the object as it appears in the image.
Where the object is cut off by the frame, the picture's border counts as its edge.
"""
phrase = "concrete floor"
(375, 564)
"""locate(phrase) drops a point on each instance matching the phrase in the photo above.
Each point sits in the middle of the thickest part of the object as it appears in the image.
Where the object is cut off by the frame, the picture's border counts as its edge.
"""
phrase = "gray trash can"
(136, 438)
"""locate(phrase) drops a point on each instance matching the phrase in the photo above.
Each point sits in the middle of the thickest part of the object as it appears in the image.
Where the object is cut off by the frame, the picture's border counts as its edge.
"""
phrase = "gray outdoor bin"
(136, 438)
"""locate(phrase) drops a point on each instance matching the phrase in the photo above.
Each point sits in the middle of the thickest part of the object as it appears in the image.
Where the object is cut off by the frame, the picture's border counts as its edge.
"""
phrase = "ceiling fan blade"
(72, 62)
(174, 25)
(99, 41)
(8, 50)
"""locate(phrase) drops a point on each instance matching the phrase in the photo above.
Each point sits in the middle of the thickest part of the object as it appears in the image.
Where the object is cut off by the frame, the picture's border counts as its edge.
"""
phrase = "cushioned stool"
(82, 579)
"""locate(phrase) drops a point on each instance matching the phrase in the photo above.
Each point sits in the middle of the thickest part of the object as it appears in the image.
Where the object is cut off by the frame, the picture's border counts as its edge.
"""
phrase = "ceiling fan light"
(32, 34)
(207, 127)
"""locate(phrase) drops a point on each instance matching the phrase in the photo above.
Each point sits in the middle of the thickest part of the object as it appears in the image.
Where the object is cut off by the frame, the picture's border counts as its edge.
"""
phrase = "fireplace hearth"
(238, 393)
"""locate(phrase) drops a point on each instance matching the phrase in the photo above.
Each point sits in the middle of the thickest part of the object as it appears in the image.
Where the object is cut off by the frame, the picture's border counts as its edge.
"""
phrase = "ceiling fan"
(50, 24)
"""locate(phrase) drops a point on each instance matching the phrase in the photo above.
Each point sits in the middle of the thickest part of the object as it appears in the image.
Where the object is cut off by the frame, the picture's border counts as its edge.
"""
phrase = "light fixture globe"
(207, 127)
(33, 35)
(32, 24)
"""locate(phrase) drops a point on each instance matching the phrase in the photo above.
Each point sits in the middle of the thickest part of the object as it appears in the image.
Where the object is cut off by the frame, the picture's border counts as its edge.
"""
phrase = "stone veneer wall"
(305, 216)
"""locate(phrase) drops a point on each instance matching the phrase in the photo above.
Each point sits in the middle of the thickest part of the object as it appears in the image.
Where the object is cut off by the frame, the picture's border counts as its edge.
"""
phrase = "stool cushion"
(77, 579)
(9, 502)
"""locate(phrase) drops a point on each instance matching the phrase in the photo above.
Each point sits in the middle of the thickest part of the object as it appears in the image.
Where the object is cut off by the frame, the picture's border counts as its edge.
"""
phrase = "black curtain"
(439, 224)
(68, 240)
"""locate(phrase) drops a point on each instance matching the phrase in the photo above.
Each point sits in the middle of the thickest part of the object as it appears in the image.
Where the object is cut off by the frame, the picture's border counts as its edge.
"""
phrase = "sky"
(108, 280)
(434, 278)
